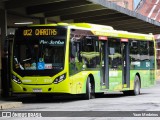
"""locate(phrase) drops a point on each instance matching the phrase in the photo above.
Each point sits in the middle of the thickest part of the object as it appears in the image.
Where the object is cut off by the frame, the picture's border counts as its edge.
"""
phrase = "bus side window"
(134, 55)
(115, 55)
(72, 52)
(90, 52)
(74, 56)
(144, 55)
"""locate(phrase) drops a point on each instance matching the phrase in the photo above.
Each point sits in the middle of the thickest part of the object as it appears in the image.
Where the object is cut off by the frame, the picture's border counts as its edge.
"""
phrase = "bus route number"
(27, 32)
(40, 32)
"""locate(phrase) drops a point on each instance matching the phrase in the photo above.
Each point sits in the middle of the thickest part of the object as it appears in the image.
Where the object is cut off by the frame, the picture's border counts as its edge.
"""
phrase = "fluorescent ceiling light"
(23, 23)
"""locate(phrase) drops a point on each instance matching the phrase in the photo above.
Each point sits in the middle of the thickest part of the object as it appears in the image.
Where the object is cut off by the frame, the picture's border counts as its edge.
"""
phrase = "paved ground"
(149, 100)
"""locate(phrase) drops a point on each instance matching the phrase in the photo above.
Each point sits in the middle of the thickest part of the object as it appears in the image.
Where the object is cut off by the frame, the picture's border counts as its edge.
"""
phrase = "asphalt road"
(126, 107)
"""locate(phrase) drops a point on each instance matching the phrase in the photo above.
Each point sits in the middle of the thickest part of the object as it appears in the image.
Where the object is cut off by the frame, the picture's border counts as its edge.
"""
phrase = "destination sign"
(40, 32)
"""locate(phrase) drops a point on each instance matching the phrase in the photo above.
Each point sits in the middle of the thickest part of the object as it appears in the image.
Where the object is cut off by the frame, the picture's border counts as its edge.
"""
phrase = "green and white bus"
(81, 58)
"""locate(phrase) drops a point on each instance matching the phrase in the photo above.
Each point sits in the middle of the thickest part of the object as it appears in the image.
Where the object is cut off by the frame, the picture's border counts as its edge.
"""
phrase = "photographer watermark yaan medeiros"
(79, 114)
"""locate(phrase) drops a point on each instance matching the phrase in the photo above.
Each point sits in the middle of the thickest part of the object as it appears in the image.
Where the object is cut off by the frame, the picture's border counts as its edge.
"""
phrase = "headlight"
(59, 79)
(16, 79)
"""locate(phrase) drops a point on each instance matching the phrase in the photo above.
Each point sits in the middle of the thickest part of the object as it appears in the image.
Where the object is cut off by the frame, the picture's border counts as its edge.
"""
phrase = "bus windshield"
(39, 55)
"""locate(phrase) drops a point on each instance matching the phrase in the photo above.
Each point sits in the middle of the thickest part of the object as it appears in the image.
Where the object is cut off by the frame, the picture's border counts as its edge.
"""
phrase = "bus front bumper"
(51, 88)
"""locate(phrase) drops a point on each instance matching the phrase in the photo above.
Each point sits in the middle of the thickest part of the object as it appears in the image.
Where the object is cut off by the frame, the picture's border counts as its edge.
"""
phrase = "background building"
(129, 4)
(149, 8)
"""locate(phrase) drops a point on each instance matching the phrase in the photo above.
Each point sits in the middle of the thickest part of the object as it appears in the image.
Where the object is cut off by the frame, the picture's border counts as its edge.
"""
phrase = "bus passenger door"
(104, 64)
(125, 63)
(115, 64)
(118, 62)
(103, 44)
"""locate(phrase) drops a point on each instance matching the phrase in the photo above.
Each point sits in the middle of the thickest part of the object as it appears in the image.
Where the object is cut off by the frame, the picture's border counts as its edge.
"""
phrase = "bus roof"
(108, 31)
(93, 26)
(103, 30)
(80, 25)
(124, 34)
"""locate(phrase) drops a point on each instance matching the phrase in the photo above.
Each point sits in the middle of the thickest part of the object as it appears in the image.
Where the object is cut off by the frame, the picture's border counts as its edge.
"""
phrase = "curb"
(8, 105)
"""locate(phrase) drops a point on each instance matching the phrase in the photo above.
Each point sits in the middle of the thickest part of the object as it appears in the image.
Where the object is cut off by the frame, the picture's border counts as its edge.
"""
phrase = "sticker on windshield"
(48, 66)
(40, 65)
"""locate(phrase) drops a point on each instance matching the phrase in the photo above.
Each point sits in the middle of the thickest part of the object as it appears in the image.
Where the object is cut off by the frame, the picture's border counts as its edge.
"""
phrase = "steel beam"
(55, 6)
(74, 10)
(11, 4)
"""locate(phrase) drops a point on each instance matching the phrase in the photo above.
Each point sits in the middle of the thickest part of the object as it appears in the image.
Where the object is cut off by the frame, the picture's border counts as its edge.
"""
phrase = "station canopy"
(89, 11)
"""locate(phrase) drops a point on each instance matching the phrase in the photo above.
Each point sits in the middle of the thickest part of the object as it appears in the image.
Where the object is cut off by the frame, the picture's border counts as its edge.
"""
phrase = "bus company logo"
(6, 114)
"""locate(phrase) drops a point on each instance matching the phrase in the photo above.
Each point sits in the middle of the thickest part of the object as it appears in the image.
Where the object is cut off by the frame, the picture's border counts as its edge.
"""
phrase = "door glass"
(102, 50)
(115, 64)
(115, 56)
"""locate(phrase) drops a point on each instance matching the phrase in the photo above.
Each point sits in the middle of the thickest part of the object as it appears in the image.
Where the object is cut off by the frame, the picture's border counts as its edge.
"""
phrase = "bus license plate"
(37, 90)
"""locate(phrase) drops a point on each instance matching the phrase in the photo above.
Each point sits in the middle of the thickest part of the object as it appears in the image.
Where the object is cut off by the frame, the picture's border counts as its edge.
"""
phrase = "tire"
(90, 94)
(137, 87)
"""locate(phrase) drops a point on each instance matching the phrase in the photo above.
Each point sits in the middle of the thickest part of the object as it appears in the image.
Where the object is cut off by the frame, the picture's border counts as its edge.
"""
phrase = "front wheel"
(90, 94)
